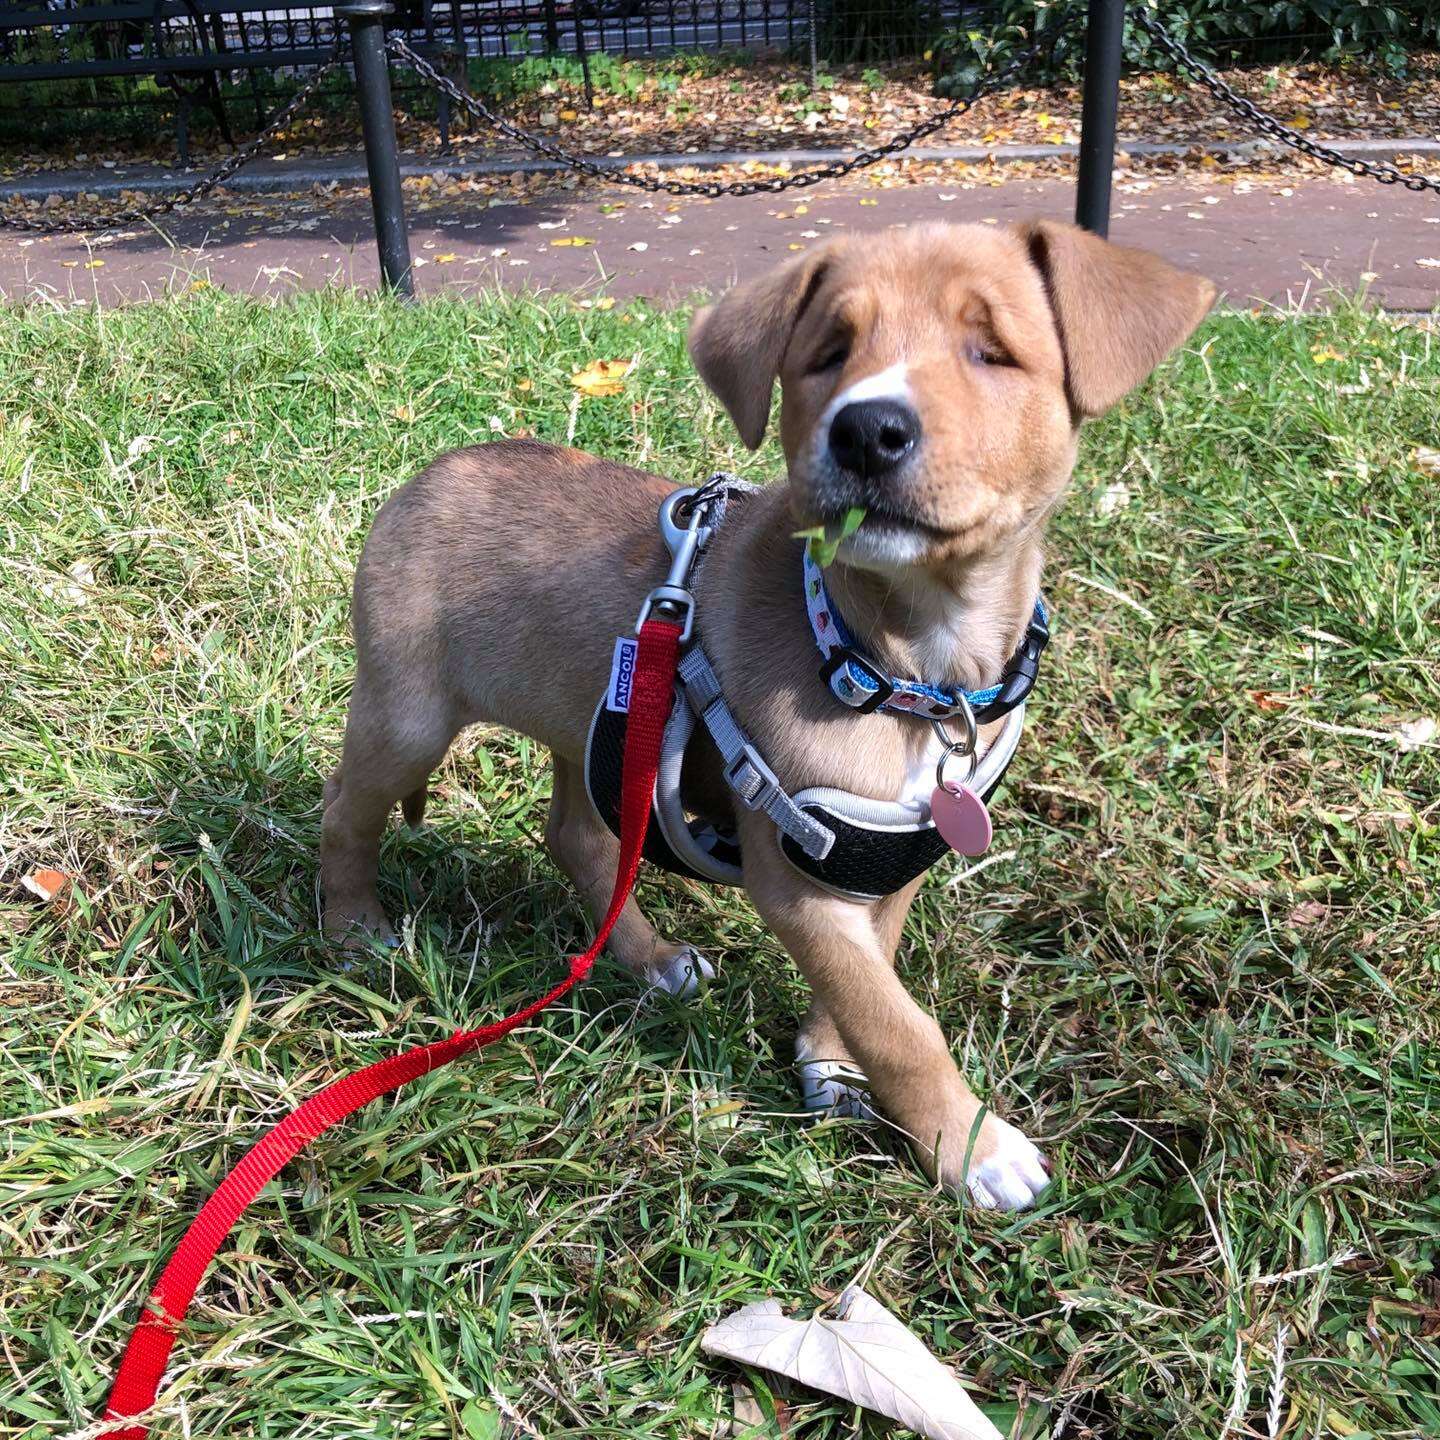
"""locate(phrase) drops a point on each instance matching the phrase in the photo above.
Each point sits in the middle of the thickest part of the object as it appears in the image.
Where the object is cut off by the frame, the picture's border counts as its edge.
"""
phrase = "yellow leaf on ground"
(602, 377)
(93, 264)
(1427, 461)
(1321, 353)
(403, 412)
(46, 885)
(572, 240)
(448, 258)
(1299, 122)
(568, 115)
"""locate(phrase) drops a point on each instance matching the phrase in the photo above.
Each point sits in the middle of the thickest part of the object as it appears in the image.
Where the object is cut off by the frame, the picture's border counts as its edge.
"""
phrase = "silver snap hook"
(962, 749)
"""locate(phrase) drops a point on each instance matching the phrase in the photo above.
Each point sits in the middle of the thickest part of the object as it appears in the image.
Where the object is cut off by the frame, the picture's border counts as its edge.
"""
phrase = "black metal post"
(382, 159)
(1104, 42)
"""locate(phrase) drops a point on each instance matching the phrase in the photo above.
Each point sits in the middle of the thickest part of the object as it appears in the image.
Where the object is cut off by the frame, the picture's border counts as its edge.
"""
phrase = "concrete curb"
(277, 177)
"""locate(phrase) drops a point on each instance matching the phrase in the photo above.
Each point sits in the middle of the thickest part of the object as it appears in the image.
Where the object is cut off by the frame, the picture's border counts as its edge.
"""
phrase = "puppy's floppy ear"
(737, 344)
(1119, 311)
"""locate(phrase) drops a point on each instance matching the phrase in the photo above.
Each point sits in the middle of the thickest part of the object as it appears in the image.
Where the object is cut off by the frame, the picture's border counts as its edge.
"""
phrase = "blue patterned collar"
(859, 683)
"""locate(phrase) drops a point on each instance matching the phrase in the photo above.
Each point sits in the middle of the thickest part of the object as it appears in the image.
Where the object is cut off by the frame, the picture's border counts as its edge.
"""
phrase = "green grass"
(1207, 978)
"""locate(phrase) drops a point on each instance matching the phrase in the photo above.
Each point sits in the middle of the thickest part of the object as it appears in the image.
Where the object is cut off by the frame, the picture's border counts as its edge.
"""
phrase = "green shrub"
(853, 32)
(1261, 31)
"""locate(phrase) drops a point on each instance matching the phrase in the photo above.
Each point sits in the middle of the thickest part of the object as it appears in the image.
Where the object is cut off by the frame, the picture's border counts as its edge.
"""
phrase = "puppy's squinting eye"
(831, 358)
(989, 352)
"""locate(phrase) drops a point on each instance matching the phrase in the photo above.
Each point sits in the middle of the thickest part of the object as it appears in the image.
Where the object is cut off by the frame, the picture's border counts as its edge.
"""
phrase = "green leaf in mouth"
(824, 542)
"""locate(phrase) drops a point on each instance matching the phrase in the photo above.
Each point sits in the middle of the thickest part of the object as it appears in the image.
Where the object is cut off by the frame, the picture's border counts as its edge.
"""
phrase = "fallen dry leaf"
(448, 258)
(1414, 734)
(1270, 700)
(1112, 498)
(602, 377)
(47, 885)
(572, 240)
(862, 1354)
(749, 1420)
(1426, 460)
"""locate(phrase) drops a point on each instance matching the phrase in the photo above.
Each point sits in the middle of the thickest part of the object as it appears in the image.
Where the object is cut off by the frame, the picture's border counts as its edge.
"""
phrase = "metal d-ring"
(958, 749)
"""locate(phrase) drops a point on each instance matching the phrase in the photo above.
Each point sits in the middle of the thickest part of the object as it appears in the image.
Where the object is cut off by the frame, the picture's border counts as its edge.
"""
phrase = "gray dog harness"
(850, 844)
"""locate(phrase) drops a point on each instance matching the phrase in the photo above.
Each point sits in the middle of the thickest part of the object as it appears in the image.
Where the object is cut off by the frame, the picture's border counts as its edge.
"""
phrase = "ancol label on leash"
(622, 675)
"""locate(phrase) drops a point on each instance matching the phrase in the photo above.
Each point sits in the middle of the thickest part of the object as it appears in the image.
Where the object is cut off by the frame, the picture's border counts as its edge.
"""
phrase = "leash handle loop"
(143, 1365)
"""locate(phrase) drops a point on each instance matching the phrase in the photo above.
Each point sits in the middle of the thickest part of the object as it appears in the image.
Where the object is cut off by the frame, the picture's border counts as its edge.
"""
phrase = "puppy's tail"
(412, 807)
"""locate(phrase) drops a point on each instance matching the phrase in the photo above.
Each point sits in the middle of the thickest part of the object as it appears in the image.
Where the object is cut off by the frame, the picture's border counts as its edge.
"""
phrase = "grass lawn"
(1205, 972)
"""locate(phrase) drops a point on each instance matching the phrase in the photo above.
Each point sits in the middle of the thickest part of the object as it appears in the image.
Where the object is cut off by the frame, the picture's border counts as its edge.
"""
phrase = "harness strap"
(143, 1363)
(746, 772)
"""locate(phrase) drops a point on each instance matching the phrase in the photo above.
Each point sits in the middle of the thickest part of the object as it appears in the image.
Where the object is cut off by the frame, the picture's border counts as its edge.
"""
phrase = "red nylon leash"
(143, 1363)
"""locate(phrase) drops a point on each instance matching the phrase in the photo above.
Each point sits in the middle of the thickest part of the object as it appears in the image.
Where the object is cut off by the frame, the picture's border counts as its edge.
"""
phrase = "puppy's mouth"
(881, 519)
(887, 540)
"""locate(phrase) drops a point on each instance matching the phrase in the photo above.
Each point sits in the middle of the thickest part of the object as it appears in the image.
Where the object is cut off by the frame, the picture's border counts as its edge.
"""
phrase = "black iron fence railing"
(376, 34)
(89, 67)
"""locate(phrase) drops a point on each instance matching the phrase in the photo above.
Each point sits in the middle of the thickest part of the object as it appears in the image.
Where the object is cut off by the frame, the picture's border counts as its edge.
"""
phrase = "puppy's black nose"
(871, 437)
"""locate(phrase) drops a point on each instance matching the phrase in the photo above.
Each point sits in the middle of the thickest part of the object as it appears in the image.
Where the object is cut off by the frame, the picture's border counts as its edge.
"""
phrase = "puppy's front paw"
(1006, 1171)
(683, 974)
(360, 926)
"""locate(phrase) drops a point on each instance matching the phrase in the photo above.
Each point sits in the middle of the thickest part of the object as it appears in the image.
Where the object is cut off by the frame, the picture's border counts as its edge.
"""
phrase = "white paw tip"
(834, 1087)
(683, 976)
(1012, 1177)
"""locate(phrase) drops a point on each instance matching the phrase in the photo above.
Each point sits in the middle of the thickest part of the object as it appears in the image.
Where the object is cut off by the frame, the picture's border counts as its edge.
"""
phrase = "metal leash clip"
(673, 600)
(958, 749)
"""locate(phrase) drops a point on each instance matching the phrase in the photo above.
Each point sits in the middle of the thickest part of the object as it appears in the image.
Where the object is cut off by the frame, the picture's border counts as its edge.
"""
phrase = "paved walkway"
(1277, 242)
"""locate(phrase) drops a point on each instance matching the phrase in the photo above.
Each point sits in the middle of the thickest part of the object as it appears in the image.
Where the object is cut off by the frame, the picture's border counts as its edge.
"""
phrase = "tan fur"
(492, 585)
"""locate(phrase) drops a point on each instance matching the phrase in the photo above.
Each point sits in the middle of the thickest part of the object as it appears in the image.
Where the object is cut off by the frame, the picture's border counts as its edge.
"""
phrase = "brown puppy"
(986, 349)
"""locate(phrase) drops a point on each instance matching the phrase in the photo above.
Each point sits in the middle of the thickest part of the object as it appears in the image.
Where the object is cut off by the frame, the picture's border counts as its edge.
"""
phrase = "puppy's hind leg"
(392, 743)
(589, 854)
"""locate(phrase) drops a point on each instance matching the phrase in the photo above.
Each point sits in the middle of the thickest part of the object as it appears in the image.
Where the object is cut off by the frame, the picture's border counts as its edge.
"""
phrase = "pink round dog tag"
(961, 818)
